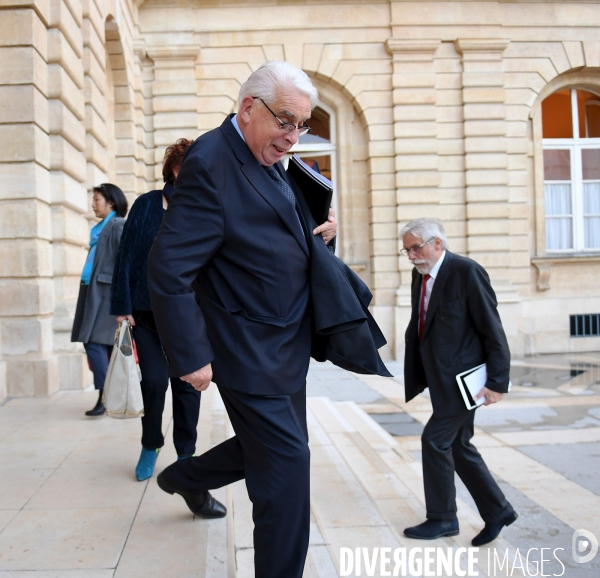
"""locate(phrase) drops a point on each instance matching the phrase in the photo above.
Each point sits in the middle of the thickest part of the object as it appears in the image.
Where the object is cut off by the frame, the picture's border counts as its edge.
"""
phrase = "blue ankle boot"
(145, 465)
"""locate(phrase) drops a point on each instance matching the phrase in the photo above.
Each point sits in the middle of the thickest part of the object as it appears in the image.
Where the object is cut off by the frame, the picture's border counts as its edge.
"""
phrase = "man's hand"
(199, 379)
(490, 396)
(121, 318)
(328, 229)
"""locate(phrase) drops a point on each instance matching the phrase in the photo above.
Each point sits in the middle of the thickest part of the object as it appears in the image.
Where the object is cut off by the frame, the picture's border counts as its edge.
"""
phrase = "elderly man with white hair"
(454, 327)
(229, 282)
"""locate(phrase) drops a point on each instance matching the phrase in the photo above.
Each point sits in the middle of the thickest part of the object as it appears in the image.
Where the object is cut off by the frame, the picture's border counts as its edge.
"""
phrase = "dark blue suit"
(229, 282)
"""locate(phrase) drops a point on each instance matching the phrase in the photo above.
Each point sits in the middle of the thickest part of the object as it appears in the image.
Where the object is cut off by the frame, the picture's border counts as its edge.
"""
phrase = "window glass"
(583, 98)
(592, 118)
(559, 221)
(557, 165)
(321, 163)
(590, 163)
(558, 199)
(591, 215)
(319, 128)
(556, 115)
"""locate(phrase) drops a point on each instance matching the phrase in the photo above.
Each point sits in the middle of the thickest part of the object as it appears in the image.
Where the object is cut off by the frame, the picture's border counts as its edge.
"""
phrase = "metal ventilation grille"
(585, 325)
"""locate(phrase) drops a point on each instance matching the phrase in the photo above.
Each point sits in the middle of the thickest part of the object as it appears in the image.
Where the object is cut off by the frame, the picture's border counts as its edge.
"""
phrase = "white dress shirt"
(432, 275)
(234, 122)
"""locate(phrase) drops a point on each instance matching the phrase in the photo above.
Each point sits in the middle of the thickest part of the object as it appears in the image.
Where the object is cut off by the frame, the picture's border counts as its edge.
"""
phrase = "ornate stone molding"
(544, 265)
(498, 45)
(139, 48)
(399, 45)
(173, 52)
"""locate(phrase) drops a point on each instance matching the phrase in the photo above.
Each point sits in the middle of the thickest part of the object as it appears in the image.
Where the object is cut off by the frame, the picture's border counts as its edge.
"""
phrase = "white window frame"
(574, 145)
(330, 148)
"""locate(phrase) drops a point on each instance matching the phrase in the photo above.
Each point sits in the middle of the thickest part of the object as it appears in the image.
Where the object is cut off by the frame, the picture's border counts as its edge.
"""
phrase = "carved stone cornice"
(173, 52)
(400, 45)
(497, 45)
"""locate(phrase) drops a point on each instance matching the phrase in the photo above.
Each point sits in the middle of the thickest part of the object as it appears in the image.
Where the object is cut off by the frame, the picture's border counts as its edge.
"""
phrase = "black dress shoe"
(432, 529)
(201, 504)
(98, 409)
(492, 529)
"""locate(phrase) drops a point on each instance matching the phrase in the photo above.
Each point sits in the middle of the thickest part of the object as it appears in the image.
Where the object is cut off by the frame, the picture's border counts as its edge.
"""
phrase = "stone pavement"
(70, 506)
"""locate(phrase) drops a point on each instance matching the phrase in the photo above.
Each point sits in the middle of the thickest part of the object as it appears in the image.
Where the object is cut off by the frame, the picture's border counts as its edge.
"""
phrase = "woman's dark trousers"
(98, 356)
(155, 381)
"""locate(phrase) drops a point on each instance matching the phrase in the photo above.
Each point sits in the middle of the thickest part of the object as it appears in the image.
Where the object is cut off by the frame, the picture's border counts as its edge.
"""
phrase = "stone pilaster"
(26, 291)
(416, 150)
(175, 101)
(487, 175)
(486, 159)
(69, 47)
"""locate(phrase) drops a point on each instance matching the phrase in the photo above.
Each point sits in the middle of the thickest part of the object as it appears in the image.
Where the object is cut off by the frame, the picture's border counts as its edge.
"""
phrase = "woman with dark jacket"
(130, 300)
(93, 325)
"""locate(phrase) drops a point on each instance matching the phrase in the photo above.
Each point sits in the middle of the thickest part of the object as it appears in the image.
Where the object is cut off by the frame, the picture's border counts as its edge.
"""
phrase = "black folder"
(316, 189)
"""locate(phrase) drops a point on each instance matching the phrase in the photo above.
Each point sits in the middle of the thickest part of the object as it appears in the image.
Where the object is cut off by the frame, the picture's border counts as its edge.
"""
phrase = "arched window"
(571, 143)
(318, 146)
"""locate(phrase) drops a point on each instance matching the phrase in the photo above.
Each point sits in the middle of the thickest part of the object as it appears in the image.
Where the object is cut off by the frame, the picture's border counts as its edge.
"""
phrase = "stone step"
(367, 488)
(192, 547)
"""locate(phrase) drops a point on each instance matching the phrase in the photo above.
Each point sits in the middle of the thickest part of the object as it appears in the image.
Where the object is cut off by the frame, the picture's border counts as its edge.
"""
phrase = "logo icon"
(584, 545)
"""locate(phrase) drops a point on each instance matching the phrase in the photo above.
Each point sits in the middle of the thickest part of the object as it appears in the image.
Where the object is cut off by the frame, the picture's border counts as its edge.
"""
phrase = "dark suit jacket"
(229, 228)
(234, 243)
(462, 330)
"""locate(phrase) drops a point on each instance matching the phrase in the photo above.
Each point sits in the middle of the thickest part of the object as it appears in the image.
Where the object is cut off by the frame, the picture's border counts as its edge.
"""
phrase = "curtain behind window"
(559, 218)
(591, 215)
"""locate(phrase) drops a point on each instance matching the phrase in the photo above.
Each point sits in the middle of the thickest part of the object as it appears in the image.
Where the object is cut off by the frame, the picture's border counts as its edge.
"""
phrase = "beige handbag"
(122, 390)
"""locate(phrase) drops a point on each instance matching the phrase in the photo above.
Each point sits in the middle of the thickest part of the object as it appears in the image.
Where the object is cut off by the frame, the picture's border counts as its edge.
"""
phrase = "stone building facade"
(428, 108)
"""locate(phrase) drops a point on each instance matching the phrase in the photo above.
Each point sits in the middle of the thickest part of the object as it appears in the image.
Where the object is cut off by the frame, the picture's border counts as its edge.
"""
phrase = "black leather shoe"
(201, 504)
(492, 529)
(98, 409)
(432, 529)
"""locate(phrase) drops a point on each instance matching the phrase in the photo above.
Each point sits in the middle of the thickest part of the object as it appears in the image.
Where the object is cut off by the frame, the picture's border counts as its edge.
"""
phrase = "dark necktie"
(422, 308)
(283, 186)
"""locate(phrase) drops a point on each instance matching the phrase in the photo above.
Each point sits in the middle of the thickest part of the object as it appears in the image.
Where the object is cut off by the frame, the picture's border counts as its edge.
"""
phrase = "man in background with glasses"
(234, 240)
(454, 327)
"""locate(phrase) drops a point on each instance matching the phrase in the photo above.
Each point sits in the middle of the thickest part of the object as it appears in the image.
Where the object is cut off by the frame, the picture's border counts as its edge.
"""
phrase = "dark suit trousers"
(270, 450)
(446, 445)
(155, 381)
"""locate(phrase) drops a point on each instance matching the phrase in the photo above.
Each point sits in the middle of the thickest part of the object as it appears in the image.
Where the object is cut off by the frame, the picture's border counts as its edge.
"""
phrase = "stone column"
(175, 101)
(26, 289)
(416, 150)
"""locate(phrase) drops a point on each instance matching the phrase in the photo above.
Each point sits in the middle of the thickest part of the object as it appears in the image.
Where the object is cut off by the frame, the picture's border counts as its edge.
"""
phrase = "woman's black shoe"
(98, 409)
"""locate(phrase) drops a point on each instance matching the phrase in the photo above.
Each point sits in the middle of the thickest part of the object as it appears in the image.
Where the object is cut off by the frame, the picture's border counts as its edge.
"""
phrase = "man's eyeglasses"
(286, 126)
(404, 251)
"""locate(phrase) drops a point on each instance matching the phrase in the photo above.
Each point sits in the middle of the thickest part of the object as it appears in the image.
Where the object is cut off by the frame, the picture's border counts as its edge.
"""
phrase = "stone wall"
(71, 117)
(435, 107)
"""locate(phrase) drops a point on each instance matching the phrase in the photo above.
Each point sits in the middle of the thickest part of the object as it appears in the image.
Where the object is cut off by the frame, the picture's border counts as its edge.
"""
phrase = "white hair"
(274, 75)
(426, 228)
